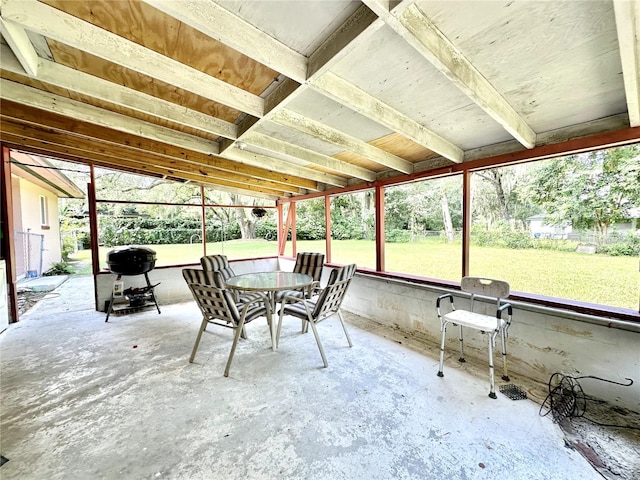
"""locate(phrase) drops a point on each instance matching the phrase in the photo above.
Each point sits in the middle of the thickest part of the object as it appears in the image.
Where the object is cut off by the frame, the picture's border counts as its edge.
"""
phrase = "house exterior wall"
(541, 341)
(29, 214)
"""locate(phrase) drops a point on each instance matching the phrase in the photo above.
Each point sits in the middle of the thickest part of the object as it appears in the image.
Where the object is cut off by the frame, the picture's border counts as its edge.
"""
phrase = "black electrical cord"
(567, 399)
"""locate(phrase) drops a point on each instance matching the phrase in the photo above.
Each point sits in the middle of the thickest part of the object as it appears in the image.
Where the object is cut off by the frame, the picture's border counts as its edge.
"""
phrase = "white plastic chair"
(489, 324)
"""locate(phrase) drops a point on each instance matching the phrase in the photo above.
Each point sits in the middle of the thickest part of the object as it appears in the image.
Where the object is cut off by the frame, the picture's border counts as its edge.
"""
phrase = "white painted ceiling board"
(394, 72)
(550, 60)
(301, 25)
(322, 109)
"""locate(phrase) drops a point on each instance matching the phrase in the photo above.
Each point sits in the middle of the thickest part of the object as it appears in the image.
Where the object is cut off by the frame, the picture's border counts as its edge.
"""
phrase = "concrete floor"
(85, 399)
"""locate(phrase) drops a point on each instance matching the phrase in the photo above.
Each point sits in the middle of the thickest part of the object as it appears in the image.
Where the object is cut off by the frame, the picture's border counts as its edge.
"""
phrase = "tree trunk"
(446, 215)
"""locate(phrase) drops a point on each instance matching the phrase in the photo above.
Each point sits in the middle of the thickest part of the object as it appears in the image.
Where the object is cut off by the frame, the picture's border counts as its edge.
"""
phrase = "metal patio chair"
(222, 271)
(325, 305)
(493, 325)
(218, 307)
(309, 263)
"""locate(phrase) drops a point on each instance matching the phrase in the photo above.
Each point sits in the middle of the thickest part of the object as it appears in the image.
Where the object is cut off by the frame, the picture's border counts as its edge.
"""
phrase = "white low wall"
(541, 341)
(173, 288)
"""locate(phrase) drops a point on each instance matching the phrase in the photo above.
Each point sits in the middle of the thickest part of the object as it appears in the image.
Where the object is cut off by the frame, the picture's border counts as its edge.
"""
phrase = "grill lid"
(131, 260)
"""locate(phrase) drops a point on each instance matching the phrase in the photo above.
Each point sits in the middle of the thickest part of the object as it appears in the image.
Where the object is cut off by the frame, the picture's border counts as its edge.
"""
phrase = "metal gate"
(29, 247)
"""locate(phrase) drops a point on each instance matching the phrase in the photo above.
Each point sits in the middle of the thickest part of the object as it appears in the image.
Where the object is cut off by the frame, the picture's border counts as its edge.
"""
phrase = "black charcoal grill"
(133, 260)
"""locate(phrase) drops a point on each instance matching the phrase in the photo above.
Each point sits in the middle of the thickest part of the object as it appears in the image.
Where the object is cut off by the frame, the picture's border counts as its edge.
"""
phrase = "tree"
(592, 190)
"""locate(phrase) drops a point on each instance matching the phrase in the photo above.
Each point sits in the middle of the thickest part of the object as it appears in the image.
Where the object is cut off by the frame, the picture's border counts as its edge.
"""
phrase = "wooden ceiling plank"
(265, 161)
(291, 119)
(139, 146)
(88, 113)
(21, 46)
(216, 22)
(627, 13)
(120, 153)
(65, 28)
(309, 156)
(419, 32)
(352, 97)
(85, 84)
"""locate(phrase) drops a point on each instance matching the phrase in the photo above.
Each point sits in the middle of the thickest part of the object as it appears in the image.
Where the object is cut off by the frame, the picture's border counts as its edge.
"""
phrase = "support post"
(8, 241)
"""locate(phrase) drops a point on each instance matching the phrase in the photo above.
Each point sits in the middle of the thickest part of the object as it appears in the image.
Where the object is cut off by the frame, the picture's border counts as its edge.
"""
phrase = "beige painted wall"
(27, 215)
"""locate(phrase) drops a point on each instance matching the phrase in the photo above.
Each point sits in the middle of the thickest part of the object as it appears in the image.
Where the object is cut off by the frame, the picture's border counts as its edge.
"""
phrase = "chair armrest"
(262, 299)
(501, 309)
(442, 297)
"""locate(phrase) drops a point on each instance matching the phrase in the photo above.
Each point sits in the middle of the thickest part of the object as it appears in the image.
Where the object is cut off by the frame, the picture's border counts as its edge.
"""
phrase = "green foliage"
(397, 236)
(59, 268)
(628, 245)
(592, 190)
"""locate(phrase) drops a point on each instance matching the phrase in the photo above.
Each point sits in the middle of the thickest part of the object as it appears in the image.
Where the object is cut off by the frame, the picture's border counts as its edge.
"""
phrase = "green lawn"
(600, 279)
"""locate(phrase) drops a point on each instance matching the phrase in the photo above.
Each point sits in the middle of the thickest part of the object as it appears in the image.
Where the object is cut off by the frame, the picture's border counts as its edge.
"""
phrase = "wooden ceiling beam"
(18, 40)
(627, 15)
(257, 159)
(60, 26)
(291, 119)
(356, 99)
(120, 154)
(307, 156)
(68, 155)
(216, 22)
(419, 32)
(137, 146)
(50, 102)
(84, 84)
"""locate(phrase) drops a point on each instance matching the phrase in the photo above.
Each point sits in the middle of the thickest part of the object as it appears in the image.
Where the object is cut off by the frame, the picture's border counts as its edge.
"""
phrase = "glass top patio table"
(269, 281)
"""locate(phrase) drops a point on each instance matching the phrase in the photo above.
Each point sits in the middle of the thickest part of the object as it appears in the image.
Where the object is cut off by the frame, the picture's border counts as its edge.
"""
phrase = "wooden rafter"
(89, 85)
(351, 96)
(217, 22)
(17, 37)
(65, 28)
(257, 159)
(80, 111)
(419, 32)
(288, 149)
(627, 14)
(30, 134)
(318, 130)
(137, 147)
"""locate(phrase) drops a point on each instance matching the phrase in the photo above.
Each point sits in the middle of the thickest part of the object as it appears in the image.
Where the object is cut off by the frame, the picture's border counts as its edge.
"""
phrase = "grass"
(600, 279)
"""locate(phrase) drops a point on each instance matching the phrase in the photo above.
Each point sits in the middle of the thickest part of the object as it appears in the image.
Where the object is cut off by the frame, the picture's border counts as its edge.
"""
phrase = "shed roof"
(284, 98)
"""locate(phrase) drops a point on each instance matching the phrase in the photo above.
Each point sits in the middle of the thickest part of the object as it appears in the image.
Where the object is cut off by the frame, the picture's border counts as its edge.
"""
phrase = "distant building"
(539, 229)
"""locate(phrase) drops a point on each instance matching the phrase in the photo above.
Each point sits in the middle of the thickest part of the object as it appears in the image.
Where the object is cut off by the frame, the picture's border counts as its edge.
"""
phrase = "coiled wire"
(566, 399)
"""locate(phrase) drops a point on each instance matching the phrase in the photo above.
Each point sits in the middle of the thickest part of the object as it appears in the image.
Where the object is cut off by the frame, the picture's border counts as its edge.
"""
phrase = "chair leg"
(344, 328)
(505, 377)
(461, 359)
(244, 333)
(492, 339)
(203, 326)
(315, 333)
(236, 337)
(279, 325)
(444, 336)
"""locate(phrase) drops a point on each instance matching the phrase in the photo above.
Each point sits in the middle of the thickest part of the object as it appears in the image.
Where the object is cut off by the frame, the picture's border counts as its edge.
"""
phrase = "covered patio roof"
(287, 98)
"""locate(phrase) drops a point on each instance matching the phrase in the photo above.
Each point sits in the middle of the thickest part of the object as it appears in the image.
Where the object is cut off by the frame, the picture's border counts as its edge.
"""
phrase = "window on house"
(564, 227)
(44, 212)
(423, 227)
